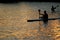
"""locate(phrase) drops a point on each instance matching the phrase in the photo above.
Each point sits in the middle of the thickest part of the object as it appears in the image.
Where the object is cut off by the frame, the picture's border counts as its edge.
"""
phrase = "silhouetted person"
(45, 18)
(53, 8)
(39, 12)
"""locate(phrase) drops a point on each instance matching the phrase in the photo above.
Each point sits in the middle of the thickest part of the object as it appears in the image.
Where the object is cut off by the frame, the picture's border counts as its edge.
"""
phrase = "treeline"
(17, 1)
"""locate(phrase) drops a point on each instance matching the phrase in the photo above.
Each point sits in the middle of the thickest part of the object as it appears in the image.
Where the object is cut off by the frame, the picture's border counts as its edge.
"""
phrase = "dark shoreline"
(17, 1)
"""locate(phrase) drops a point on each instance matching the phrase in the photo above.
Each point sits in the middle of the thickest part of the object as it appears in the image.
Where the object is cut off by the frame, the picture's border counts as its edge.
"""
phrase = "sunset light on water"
(14, 25)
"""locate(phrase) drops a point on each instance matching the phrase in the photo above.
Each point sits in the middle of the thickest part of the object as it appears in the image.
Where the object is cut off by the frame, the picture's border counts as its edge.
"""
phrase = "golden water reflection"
(13, 22)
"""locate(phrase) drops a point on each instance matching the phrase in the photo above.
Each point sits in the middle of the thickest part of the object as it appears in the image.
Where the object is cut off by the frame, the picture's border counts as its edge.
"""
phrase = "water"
(14, 25)
(43, 5)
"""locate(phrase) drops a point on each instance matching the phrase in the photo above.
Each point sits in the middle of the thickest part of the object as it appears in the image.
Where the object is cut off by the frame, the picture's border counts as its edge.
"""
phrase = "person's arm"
(56, 6)
(41, 14)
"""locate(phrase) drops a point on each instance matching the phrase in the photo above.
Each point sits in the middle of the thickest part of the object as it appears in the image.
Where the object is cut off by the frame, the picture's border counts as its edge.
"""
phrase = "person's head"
(52, 6)
(45, 12)
(39, 10)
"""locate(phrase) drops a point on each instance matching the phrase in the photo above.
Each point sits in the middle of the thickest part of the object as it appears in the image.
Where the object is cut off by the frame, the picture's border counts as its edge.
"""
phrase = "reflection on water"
(14, 25)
